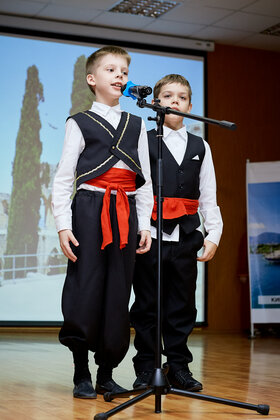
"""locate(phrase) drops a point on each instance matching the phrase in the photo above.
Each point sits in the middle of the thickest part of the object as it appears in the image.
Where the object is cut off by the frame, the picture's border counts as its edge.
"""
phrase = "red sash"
(174, 207)
(121, 180)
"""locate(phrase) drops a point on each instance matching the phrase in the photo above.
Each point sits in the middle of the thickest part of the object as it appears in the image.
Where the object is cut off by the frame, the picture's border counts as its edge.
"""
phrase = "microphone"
(135, 91)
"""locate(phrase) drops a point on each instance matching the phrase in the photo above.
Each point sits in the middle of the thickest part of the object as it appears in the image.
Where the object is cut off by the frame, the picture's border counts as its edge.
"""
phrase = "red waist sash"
(174, 207)
(121, 180)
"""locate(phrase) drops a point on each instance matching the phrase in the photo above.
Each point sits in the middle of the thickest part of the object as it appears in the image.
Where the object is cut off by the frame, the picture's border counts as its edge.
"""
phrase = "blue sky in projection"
(55, 62)
(264, 205)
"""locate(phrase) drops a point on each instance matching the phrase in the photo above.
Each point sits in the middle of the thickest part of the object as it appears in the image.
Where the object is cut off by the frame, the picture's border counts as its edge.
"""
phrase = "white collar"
(182, 132)
(103, 109)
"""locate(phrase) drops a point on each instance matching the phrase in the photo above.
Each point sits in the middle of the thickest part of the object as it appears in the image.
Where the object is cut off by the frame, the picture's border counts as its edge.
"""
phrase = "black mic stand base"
(160, 386)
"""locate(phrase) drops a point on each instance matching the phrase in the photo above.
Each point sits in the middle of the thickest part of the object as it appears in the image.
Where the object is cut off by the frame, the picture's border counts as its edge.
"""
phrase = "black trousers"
(179, 273)
(97, 287)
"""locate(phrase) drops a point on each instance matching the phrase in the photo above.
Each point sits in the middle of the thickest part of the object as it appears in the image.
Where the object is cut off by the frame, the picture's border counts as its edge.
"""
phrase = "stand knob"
(100, 416)
(263, 409)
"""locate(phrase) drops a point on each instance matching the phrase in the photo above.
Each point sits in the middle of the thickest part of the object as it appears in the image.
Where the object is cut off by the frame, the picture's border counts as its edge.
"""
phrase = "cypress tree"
(81, 96)
(22, 236)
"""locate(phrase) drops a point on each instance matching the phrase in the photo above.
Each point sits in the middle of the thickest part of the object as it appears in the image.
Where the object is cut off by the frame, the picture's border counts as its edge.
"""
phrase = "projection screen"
(42, 83)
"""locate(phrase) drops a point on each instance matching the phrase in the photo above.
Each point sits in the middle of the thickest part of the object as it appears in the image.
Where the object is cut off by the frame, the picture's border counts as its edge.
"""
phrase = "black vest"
(178, 180)
(105, 146)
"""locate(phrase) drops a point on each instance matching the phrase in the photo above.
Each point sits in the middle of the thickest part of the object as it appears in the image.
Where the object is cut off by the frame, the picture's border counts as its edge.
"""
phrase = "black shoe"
(109, 386)
(84, 389)
(143, 379)
(183, 379)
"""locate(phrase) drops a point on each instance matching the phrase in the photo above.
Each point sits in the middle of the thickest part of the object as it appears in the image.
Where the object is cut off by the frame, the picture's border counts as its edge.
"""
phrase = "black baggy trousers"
(97, 287)
(179, 273)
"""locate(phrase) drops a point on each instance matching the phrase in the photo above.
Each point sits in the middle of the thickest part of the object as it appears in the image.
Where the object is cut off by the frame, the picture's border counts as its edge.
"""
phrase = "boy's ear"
(190, 108)
(90, 79)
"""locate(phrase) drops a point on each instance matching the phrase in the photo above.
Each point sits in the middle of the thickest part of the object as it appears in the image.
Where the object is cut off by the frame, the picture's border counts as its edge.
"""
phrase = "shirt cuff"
(144, 223)
(63, 223)
(214, 236)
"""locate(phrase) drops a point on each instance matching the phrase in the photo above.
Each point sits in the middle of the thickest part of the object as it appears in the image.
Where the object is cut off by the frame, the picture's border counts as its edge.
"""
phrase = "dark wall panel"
(243, 86)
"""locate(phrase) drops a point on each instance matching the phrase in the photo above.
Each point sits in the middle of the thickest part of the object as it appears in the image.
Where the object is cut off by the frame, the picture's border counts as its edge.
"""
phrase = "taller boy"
(107, 149)
(188, 182)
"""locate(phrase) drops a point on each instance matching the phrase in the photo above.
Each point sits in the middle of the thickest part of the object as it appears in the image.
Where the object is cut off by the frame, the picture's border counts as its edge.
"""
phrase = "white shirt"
(177, 141)
(74, 144)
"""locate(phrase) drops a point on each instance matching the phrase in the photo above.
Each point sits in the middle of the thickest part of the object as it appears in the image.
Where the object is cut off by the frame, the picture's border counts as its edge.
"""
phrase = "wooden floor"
(36, 380)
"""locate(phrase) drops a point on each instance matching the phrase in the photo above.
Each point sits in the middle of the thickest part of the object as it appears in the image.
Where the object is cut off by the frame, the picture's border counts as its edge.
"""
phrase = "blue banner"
(263, 216)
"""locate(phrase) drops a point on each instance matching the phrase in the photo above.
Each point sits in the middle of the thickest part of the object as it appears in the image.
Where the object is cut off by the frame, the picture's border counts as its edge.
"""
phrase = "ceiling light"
(150, 8)
(273, 30)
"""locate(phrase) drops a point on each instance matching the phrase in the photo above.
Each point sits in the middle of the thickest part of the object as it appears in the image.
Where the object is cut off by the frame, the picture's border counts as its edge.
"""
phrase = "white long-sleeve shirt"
(177, 141)
(74, 144)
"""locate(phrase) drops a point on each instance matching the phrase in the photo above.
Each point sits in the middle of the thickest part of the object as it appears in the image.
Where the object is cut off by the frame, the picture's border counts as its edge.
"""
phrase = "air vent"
(150, 8)
(273, 30)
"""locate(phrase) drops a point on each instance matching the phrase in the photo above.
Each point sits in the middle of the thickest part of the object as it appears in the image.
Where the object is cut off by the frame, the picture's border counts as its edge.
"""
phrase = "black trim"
(31, 323)
(127, 44)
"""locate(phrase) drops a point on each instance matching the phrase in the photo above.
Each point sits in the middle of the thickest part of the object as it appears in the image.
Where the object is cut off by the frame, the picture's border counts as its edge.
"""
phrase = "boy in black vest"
(188, 182)
(106, 151)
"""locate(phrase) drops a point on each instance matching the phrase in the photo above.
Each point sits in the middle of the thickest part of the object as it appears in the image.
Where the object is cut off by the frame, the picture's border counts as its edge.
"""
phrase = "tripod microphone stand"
(159, 383)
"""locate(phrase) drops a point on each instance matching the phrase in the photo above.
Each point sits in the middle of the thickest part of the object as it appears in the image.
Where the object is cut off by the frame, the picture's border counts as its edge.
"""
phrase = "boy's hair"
(110, 49)
(172, 78)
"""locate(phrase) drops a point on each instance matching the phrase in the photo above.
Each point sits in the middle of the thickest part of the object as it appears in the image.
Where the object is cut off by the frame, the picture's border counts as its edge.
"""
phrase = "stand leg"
(121, 407)
(261, 408)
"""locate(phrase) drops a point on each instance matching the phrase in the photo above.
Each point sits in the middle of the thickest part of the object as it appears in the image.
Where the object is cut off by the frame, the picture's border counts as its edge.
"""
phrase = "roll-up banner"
(263, 222)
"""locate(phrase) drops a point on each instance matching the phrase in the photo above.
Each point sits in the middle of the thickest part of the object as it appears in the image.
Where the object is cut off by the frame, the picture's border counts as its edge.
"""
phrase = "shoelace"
(185, 374)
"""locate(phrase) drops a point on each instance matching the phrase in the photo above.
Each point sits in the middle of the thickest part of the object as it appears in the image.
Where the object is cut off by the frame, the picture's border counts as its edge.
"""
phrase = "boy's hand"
(65, 237)
(145, 242)
(209, 251)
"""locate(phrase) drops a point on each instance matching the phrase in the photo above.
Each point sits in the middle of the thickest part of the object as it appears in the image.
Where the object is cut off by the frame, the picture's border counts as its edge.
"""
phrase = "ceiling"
(232, 22)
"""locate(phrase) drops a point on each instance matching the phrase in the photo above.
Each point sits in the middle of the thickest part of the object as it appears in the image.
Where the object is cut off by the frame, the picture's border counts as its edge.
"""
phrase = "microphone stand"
(159, 383)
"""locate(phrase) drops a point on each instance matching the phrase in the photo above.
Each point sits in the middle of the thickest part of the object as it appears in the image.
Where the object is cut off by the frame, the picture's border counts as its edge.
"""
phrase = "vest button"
(113, 147)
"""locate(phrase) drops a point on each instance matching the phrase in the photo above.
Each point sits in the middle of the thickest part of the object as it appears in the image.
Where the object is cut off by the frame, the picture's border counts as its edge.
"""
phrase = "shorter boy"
(188, 182)
(106, 151)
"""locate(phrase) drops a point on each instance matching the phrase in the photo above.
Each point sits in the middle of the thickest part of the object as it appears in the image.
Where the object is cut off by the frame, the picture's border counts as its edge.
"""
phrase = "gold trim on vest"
(126, 123)
(98, 122)
(95, 169)
(117, 145)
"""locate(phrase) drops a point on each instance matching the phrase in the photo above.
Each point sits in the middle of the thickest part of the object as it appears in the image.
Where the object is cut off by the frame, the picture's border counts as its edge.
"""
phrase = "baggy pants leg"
(179, 272)
(97, 286)
(179, 286)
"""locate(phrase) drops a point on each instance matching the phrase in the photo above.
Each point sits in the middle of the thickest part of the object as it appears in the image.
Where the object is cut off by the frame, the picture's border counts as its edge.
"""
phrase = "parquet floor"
(36, 380)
